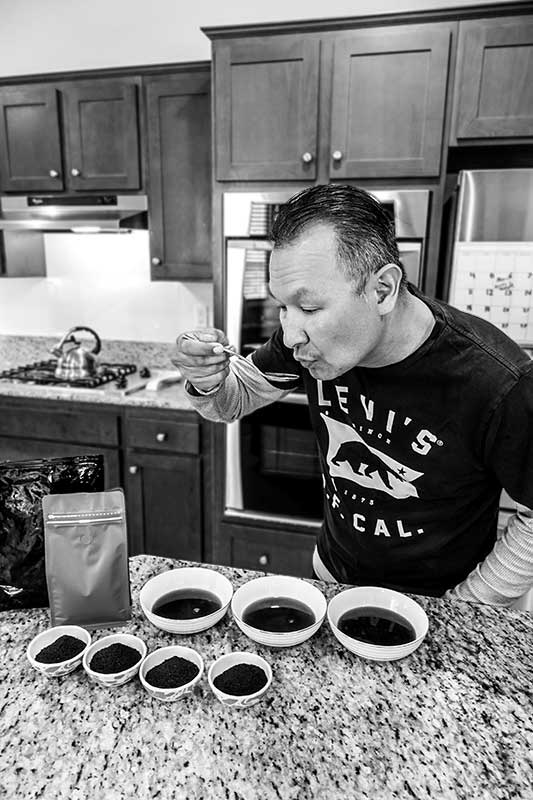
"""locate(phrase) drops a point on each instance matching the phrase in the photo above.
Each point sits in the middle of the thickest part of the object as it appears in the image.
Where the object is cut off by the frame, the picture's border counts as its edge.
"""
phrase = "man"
(422, 413)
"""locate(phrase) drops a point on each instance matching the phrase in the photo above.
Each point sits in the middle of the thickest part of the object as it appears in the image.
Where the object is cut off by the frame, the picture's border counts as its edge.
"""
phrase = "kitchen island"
(453, 720)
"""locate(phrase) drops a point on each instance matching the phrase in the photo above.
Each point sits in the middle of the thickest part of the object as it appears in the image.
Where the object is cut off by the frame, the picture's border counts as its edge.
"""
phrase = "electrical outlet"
(201, 315)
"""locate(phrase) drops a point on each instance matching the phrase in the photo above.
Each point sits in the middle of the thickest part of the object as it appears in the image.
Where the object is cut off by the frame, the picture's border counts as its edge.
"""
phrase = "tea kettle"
(77, 361)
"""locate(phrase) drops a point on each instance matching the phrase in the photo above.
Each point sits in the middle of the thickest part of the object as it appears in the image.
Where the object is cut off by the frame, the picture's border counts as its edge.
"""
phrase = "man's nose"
(293, 332)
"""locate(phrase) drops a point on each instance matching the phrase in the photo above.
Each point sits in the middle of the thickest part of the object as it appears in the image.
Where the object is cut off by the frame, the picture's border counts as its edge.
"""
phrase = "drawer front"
(165, 435)
(269, 551)
(90, 426)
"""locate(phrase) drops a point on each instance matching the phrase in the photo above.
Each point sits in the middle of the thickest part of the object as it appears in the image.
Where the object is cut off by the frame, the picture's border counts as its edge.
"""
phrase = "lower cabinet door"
(26, 449)
(164, 505)
(261, 549)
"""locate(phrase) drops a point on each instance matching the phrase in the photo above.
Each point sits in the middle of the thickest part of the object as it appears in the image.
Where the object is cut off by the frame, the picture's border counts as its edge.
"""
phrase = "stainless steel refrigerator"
(492, 259)
(492, 264)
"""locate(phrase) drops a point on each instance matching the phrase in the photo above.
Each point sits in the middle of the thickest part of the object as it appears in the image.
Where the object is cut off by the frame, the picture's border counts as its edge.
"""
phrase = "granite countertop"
(18, 350)
(453, 720)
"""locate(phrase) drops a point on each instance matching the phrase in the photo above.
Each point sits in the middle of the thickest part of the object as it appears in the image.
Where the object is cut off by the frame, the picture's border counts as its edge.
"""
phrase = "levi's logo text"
(373, 454)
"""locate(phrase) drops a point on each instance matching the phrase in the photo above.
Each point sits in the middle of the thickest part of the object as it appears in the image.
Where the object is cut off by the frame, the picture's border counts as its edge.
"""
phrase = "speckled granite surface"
(19, 350)
(453, 720)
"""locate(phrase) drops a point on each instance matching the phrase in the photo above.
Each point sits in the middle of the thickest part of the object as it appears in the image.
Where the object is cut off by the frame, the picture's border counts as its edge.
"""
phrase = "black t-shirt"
(414, 455)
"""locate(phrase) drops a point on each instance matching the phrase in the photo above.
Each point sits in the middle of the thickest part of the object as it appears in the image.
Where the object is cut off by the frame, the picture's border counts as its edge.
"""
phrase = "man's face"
(328, 327)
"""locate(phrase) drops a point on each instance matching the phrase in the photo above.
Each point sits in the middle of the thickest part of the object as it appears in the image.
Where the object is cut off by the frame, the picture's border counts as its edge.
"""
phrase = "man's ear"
(386, 287)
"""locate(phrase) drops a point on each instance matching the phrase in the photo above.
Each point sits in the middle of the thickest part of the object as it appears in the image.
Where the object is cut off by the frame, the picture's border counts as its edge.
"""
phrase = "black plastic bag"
(23, 484)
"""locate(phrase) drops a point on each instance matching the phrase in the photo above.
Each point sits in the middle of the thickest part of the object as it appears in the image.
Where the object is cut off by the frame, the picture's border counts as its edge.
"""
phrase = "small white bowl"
(162, 654)
(49, 636)
(278, 586)
(230, 660)
(111, 679)
(185, 578)
(378, 597)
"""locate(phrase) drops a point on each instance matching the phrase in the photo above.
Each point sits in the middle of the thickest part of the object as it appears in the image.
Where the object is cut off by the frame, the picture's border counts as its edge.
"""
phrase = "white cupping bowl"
(162, 654)
(231, 660)
(378, 597)
(278, 586)
(112, 679)
(185, 578)
(48, 637)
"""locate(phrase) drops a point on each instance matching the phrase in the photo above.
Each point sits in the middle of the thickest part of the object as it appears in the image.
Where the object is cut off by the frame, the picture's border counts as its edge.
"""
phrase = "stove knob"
(122, 382)
(144, 372)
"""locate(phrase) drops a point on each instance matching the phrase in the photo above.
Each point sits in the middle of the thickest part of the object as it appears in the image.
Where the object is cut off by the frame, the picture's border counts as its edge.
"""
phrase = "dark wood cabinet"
(384, 89)
(102, 135)
(179, 190)
(388, 101)
(79, 135)
(494, 82)
(52, 430)
(163, 483)
(31, 153)
(251, 547)
(266, 107)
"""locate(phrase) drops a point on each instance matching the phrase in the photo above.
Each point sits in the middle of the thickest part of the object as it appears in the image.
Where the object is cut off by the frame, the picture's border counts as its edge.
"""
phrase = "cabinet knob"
(336, 155)
(75, 172)
(161, 437)
(156, 261)
(263, 560)
(133, 470)
(307, 157)
(53, 173)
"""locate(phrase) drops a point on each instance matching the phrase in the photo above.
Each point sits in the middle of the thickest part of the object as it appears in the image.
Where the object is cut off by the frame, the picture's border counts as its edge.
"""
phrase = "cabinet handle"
(156, 261)
(307, 157)
(336, 155)
(263, 560)
(53, 173)
(133, 470)
(161, 437)
(75, 172)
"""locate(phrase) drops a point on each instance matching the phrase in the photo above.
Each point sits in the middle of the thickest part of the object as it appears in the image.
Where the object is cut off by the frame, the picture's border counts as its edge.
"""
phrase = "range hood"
(75, 213)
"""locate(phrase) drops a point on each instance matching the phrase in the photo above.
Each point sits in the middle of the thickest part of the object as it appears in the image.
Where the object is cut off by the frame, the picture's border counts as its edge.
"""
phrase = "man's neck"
(407, 328)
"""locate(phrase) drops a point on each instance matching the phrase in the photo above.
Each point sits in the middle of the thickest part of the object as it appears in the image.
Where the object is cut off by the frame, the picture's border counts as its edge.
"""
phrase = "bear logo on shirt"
(351, 458)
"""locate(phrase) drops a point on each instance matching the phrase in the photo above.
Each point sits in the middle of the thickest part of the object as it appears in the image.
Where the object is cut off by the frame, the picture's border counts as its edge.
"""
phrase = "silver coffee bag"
(86, 559)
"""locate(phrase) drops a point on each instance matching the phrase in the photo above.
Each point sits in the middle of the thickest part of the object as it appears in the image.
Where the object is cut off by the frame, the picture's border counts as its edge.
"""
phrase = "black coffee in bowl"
(376, 626)
(186, 604)
(278, 615)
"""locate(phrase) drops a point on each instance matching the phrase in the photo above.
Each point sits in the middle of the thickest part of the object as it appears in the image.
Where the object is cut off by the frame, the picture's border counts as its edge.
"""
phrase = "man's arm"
(244, 390)
(507, 572)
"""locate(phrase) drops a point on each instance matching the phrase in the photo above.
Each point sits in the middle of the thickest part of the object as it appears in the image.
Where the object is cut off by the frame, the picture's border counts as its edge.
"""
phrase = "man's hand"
(197, 362)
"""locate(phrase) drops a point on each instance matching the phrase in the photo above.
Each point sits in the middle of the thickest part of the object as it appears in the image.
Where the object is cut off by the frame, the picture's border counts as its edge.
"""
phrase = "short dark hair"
(364, 229)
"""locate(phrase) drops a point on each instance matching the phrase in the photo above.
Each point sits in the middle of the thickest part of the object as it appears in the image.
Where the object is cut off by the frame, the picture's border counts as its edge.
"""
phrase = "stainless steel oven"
(272, 470)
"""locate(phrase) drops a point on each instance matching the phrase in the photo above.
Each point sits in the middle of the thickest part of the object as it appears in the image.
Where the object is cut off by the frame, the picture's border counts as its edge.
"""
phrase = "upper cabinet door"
(267, 109)
(30, 143)
(494, 80)
(389, 97)
(102, 134)
(179, 164)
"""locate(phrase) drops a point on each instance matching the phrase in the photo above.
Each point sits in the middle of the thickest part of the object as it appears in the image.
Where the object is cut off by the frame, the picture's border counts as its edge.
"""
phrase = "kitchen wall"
(102, 280)
(48, 35)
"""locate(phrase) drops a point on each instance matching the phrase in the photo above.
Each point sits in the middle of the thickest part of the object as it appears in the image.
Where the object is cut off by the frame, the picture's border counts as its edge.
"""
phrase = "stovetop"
(42, 372)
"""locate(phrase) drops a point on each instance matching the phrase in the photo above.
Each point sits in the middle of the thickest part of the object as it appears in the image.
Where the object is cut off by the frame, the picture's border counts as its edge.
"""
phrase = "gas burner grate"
(42, 373)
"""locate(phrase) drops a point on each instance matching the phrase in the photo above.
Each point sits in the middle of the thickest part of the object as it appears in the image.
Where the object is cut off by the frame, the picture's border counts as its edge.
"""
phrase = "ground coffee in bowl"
(63, 649)
(114, 658)
(173, 672)
(241, 679)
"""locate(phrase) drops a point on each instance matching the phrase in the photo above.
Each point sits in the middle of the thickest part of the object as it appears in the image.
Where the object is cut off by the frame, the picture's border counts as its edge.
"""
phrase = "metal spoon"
(279, 377)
